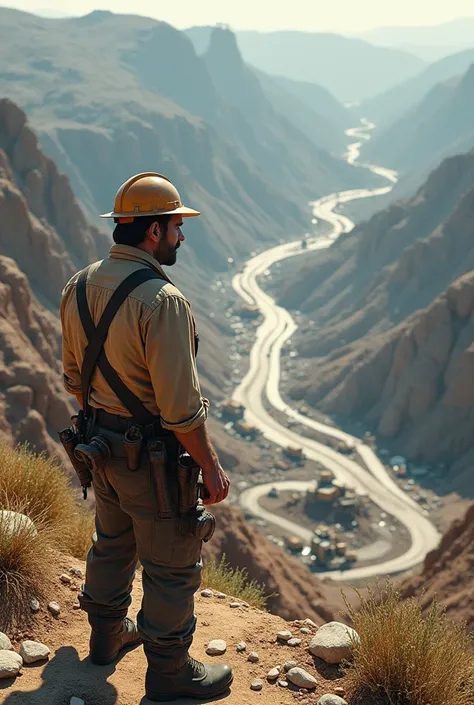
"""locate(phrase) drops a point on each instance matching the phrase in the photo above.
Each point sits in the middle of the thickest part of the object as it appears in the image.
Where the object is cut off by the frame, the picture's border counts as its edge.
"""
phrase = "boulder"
(13, 523)
(301, 678)
(33, 651)
(10, 664)
(333, 642)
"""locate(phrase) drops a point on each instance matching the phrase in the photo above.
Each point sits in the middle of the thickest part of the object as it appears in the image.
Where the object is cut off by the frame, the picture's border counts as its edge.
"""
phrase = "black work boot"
(109, 637)
(169, 679)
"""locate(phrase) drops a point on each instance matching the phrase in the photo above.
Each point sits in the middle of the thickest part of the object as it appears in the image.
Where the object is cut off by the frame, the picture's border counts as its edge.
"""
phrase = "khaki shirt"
(150, 342)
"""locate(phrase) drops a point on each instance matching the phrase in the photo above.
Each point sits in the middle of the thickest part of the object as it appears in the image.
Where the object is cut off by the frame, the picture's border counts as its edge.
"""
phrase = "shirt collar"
(135, 254)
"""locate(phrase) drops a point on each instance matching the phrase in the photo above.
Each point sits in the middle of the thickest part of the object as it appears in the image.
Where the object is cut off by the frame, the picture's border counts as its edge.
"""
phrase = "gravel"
(257, 684)
(253, 657)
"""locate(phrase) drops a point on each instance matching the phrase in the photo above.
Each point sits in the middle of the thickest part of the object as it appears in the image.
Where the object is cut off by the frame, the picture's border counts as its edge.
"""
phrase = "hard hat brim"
(182, 210)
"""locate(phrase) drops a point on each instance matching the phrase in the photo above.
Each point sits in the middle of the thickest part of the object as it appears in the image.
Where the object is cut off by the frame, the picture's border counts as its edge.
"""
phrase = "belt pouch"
(188, 475)
(132, 444)
(157, 455)
(69, 440)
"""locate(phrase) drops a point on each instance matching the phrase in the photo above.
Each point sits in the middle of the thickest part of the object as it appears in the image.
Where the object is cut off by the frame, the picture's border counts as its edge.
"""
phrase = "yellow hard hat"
(148, 194)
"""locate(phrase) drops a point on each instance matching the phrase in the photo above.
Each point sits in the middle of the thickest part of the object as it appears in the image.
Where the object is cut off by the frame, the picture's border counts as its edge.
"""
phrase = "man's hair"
(133, 234)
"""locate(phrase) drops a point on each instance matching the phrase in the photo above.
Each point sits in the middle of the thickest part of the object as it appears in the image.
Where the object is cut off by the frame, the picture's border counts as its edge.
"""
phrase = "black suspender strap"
(96, 336)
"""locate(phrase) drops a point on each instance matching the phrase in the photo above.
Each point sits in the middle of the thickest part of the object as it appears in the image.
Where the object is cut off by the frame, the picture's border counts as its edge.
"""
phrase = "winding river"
(368, 475)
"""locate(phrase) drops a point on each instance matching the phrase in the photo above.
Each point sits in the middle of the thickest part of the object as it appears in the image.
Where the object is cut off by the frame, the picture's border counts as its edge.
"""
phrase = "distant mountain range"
(392, 104)
(430, 43)
(392, 306)
(349, 68)
(440, 125)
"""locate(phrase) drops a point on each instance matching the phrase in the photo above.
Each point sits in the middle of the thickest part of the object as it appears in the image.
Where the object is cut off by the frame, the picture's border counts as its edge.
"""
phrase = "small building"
(294, 453)
(294, 544)
(232, 409)
(327, 494)
(341, 548)
(245, 429)
(326, 476)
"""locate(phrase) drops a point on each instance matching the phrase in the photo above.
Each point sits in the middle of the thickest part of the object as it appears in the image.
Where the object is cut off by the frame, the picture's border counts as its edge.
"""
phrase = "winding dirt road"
(263, 378)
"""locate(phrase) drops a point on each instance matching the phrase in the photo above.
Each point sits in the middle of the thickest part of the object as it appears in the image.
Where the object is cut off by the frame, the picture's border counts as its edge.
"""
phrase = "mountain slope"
(448, 572)
(439, 126)
(350, 68)
(100, 126)
(393, 104)
(389, 321)
(44, 239)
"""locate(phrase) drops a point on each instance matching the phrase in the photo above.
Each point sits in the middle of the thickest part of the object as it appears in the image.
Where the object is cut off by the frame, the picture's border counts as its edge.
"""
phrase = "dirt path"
(70, 673)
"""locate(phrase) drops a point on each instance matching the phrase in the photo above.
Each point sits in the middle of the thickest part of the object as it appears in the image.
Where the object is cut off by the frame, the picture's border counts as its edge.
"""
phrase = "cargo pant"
(128, 528)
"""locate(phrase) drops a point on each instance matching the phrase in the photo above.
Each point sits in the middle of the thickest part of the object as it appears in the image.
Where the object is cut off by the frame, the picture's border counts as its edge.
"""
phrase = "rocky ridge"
(448, 573)
(44, 238)
(282, 671)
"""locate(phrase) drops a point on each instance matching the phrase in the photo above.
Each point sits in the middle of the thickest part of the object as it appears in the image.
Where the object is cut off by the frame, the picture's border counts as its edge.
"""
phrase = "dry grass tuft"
(405, 658)
(26, 560)
(220, 576)
(39, 485)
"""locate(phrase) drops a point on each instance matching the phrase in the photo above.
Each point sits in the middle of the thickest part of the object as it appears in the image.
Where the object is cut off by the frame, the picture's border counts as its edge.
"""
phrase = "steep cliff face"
(293, 590)
(448, 572)
(44, 238)
(389, 322)
(414, 382)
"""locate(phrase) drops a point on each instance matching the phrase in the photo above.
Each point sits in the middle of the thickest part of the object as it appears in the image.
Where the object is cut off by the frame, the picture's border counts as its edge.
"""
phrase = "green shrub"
(406, 658)
(220, 576)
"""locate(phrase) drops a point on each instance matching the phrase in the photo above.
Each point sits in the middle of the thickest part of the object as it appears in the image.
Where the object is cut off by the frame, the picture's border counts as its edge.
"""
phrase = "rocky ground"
(68, 673)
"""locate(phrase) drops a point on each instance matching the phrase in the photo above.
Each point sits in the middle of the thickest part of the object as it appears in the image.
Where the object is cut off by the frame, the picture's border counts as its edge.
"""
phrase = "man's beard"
(166, 255)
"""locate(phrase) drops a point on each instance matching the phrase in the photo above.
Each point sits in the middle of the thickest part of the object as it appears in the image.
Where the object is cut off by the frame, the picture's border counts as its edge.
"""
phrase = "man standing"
(143, 389)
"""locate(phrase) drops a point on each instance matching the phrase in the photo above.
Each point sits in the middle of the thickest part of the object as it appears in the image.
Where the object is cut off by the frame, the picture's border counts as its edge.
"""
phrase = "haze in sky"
(311, 15)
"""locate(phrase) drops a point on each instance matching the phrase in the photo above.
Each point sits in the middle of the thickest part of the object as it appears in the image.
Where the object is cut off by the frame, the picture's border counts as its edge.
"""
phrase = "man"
(150, 344)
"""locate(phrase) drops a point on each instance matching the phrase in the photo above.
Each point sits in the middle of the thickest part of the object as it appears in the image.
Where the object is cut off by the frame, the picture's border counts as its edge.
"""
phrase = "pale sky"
(310, 15)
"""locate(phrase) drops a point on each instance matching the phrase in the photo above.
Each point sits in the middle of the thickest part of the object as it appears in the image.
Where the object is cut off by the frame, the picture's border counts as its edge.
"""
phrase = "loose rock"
(34, 605)
(10, 664)
(76, 606)
(66, 579)
(5, 643)
(305, 630)
(284, 636)
(283, 684)
(288, 665)
(14, 523)
(241, 646)
(273, 674)
(294, 642)
(33, 651)
(253, 657)
(340, 691)
(310, 623)
(77, 573)
(257, 684)
(221, 595)
(301, 678)
(333, 642)
(216, 647)
(234, 605)
(54, 609)
(330, 699)
(77, 701)
(207, 593)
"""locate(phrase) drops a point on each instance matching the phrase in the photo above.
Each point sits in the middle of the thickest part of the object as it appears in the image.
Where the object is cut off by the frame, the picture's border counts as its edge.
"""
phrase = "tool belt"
(88, 452)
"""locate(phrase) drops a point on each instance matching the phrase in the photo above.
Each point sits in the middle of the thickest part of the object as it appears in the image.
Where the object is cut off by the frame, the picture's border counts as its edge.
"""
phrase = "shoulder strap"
(96, 336)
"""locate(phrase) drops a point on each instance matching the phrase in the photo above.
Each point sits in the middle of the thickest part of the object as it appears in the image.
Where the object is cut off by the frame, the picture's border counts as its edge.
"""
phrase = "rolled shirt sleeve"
(71, 372)
(169, 350)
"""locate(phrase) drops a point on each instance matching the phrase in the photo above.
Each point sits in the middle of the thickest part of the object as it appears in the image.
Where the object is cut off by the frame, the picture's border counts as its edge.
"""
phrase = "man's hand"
(217, 485)
(200, 448)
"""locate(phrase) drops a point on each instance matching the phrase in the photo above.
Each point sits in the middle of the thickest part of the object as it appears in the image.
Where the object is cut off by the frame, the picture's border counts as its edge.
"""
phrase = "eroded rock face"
(448, 573)
(44, 239)
(293, 590)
